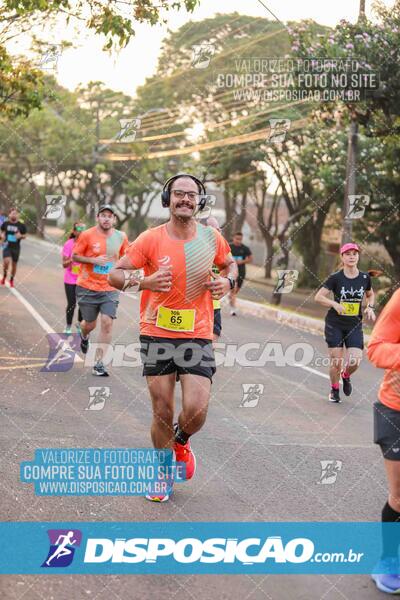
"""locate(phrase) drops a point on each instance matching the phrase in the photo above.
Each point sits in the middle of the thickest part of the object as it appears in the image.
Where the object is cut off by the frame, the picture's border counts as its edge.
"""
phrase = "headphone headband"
(166, 191)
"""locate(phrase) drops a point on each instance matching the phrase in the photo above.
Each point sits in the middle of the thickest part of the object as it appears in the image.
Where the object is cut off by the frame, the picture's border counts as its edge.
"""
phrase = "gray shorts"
(92, 303)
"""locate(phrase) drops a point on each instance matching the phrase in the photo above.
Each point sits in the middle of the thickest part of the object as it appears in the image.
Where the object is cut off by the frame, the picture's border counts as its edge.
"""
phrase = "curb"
(46, 243)
(297, 321)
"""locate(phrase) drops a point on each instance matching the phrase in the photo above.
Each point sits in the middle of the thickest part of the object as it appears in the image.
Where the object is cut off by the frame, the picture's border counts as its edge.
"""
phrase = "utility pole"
(94, 197)
(351, 166)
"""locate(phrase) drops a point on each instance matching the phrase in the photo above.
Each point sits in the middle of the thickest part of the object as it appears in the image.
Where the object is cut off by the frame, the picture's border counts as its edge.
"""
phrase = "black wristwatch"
(232, 282)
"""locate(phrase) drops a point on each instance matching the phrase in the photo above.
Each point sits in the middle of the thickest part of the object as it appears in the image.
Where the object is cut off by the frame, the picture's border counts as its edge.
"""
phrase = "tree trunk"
(268, 239)
(136, 225)
(276, 298)
(39, 212)
(228, 226)
(392, 245)
(308, 242)
(269, 245)
(241, 217)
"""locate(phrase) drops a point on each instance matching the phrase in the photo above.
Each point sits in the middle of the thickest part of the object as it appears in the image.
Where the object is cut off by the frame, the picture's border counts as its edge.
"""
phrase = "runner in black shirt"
(12, 232)
(343, 322)
(242, 255)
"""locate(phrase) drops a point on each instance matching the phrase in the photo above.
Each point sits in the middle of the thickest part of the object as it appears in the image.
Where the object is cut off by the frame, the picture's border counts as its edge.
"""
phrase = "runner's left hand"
(218, 286)
(370, 314)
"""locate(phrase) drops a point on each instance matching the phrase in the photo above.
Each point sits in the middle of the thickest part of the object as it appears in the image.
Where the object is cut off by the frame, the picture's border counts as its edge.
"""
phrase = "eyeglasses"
(180, 194)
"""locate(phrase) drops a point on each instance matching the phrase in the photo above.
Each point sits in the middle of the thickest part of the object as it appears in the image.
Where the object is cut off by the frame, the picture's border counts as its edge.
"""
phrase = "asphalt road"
(259, 463)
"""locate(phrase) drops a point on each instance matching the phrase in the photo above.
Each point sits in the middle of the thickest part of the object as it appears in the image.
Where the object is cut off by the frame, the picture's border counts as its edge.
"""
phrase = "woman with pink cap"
(343, 322)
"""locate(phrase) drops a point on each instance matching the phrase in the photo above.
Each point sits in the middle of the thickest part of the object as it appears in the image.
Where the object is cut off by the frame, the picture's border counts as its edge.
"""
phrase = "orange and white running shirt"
(92, 243)
(384, 351)
(186, 311)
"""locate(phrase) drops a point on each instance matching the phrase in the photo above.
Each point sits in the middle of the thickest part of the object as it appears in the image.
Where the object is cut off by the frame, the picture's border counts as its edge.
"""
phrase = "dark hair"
(73, 230)
(238, 233)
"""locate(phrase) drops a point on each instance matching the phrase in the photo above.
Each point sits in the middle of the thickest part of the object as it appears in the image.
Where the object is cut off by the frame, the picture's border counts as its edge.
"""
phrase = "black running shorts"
(337, 335)
(183, 356)
(11, 252)
(387, 430)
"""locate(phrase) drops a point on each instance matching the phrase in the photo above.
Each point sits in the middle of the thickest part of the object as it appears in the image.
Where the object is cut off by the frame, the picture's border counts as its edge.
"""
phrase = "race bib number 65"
(175, 320)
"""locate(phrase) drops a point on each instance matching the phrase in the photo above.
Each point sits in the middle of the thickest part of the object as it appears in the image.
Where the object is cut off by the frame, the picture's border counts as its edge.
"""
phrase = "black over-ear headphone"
(166, 191)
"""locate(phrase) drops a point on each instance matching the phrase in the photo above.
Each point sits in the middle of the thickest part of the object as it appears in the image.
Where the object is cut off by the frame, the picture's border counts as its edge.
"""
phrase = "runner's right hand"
(100, 260)
(160, 281)
(339, 308)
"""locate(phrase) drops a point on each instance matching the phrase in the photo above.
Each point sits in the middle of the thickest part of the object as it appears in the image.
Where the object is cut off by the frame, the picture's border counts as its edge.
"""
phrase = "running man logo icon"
(129, 129)
(54, 206)
(63, 543)
(202, 55)
(286, 281)
(357, 205)
(251, 394)
(278, 130)
(50, 58)
(98, 397)
(62, 350)
(329, 471)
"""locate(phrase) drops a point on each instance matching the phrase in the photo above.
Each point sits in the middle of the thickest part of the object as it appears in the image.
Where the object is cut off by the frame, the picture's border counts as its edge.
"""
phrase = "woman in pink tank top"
(71, 272)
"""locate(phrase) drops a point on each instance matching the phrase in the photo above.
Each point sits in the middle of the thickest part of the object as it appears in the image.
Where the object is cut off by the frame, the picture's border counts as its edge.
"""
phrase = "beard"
(105, 227)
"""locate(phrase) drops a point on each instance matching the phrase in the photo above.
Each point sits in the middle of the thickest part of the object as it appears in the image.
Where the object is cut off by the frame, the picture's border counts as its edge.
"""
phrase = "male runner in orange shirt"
(98, 249)
(176, 313)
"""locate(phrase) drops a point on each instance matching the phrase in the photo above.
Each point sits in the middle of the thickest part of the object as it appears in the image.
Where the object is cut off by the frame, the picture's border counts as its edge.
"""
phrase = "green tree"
(112, 18)
(21, 84)
(381, 221)
(376, 45)
(44, 153)
(221, 118)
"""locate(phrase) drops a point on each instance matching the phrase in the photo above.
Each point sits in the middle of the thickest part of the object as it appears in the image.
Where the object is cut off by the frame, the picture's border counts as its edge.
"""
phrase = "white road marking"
(317, 446)
(39, 319)
(311, 370)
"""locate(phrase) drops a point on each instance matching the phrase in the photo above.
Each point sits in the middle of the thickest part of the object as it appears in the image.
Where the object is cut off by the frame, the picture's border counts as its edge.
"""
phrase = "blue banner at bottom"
(192, 547)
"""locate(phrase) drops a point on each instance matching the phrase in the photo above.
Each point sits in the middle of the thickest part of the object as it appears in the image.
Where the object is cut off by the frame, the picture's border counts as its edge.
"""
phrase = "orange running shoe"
(184, 453)
(157, 498)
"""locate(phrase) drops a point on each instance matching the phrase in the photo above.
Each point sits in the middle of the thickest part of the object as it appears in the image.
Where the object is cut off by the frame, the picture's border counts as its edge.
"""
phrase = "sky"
(128, 68)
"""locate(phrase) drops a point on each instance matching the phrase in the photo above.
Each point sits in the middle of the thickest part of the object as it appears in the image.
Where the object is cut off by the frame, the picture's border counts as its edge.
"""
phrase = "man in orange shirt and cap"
(98, 249)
